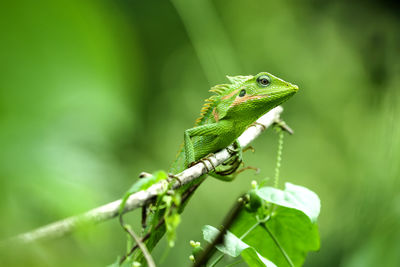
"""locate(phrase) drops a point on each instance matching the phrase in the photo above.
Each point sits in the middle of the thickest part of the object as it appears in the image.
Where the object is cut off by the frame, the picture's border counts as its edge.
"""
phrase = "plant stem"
(278, 157)
(142, 246)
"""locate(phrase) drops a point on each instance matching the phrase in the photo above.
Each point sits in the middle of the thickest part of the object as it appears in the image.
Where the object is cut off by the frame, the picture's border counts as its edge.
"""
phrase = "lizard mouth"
(274, 95)
(290, 91)
(277, 94)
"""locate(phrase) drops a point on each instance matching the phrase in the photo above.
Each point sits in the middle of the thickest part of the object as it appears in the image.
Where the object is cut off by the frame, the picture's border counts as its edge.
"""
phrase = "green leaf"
(171, 216)
(171, 223)
(234, 247)
(290, 230)
(295, 197)
(294, 231)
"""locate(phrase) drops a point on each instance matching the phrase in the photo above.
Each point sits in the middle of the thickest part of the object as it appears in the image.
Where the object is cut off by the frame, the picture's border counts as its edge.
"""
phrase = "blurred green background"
(94, 92)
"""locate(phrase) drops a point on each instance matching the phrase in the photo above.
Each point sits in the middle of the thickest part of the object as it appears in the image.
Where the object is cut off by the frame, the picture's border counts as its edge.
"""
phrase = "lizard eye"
(263, 80)
(242, 92)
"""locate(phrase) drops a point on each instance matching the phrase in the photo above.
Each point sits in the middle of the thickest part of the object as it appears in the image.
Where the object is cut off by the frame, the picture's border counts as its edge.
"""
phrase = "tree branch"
(110, 210)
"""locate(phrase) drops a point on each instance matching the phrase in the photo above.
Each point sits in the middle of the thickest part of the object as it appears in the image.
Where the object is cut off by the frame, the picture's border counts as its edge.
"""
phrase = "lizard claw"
(249, 148)
(249, 168)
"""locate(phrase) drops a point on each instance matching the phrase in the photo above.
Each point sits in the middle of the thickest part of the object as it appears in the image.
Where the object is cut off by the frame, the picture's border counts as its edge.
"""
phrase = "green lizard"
(224, 117)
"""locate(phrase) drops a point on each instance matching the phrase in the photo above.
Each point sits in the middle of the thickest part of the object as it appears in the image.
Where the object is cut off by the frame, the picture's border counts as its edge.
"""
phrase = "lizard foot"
(260, 124)
(236, 152)
(203, 160)
(174, 177)
(234, 164)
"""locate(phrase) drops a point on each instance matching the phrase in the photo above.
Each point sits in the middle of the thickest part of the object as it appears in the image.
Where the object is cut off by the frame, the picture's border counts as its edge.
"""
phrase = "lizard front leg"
(203, 130)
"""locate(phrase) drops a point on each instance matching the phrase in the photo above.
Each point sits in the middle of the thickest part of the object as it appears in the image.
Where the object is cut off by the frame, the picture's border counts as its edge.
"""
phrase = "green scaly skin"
(224, 117)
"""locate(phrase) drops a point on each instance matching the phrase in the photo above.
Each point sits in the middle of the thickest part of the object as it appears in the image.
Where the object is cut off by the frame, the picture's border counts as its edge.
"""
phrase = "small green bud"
(254, 184)
(191, 258)
(136, 264)
(194, 244)
(254, 200)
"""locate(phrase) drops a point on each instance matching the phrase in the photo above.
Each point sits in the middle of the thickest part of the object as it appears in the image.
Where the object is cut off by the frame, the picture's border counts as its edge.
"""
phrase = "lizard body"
(227, 113)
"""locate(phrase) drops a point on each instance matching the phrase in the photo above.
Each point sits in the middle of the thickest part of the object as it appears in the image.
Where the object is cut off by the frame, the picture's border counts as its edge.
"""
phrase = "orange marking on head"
(229, 95)
(243, 99)
(215, 114)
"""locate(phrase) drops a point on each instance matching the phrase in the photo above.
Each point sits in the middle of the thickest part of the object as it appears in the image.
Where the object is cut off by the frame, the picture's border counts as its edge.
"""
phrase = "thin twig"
(142, 246)
(282, 124)
(111, 210)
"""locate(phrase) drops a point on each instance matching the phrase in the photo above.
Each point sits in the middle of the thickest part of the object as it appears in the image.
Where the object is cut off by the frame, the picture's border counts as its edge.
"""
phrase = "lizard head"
(260, 93)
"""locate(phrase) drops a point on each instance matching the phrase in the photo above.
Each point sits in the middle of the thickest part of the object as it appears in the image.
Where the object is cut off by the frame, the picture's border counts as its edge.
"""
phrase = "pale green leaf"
(295, 197)
(232, 246)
